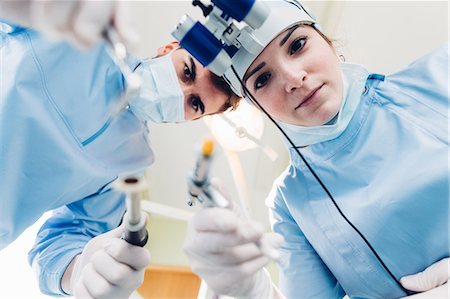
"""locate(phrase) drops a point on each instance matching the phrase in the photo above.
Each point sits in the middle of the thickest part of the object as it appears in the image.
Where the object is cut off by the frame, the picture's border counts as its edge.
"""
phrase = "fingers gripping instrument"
(133, 186)
(200, 190)
(214, 42)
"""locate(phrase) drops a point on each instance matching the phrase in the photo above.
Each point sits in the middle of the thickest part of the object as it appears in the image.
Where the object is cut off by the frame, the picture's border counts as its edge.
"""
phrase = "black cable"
(205, 9)
(319, 181)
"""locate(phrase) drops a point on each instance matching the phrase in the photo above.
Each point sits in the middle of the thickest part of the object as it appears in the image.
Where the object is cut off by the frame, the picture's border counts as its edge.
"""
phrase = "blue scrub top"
(389, 174)
(58, 151)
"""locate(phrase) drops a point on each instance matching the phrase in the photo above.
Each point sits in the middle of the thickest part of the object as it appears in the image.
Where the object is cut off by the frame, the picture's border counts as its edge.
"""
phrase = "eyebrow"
(193, 68)
(252, 72)
(282, 42)
(288, 35)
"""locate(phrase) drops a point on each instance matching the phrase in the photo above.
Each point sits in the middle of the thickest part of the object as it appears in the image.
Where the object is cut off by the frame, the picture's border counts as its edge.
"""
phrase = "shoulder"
(433, 65)
(279, 187)
(425, 80)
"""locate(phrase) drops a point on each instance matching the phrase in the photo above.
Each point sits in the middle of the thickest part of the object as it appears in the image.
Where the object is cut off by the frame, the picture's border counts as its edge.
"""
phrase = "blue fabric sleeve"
(65, 234)
(302, 272)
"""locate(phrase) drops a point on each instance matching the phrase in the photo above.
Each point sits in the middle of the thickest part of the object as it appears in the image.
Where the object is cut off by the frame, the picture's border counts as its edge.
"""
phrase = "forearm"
(15, 11)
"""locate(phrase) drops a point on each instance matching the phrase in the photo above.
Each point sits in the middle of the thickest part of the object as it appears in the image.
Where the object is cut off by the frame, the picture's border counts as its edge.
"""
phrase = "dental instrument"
(200, 189)
(133, 186)
(119, 54)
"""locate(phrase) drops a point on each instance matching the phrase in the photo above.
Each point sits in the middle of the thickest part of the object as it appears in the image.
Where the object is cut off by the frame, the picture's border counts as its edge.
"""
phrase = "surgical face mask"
(160, 99)
(354, 80)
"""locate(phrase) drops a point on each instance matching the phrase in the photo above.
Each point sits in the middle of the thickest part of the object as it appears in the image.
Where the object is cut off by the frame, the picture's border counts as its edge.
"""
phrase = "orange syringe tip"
(208, 147)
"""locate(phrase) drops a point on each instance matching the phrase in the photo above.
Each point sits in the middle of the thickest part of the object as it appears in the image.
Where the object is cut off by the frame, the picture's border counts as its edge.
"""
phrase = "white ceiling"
(382, 35)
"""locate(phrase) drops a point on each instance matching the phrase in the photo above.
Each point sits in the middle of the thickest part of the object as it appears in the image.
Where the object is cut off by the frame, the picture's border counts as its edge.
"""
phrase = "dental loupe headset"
(214, 43)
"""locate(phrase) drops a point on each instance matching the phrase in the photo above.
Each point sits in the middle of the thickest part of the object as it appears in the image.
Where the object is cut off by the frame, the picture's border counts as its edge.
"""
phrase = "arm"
(67, 242)
(302, 271)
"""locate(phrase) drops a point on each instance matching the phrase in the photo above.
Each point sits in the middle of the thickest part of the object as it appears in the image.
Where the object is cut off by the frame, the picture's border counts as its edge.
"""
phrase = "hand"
(109, 267)
(433, 282)
(78, 21)
(221, 249)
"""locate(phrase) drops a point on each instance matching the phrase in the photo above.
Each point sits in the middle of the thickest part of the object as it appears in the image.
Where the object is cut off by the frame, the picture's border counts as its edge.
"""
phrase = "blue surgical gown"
(58, 151)
(389, 174)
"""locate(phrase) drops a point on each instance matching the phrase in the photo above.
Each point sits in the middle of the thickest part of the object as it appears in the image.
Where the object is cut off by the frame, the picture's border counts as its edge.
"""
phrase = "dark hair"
(233, 100)
(331, 42)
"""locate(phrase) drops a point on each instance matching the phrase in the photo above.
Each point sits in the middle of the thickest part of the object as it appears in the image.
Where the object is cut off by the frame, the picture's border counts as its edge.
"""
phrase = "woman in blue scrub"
(60, 150)
(365, 199)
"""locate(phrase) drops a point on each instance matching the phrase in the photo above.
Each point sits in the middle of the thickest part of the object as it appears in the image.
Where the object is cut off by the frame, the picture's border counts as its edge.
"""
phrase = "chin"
(329, 111)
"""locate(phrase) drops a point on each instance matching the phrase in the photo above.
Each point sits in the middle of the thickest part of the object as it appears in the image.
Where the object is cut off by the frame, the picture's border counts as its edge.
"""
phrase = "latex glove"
(109, 267)
(78, 21)
(433, 282)
(221, 249)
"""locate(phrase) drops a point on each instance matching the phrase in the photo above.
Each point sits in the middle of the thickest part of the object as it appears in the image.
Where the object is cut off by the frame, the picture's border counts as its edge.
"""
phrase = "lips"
(307, 99)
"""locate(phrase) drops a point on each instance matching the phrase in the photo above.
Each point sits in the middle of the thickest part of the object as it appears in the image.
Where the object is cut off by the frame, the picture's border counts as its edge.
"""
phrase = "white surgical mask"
(160, 99)
(354, 79)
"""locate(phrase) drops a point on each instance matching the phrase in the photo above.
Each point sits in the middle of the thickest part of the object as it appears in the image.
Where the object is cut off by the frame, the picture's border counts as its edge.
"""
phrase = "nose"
(293, 77)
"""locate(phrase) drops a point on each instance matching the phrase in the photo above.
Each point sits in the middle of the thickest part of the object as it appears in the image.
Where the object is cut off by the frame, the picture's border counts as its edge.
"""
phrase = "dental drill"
(133, 186)
(133, 82)
(200, 190)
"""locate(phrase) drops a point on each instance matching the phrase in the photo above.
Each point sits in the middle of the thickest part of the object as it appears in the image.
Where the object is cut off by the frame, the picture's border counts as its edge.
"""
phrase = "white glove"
(109, 267)
(78, 21)
(221, 249)
(433, 282)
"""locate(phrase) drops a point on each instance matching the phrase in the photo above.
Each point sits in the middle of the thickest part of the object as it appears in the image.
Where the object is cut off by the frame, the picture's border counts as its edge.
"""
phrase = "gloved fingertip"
(411, 283)
(405, 281)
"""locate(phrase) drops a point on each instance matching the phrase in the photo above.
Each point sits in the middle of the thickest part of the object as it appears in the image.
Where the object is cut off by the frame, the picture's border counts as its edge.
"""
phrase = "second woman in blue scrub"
(369, 205)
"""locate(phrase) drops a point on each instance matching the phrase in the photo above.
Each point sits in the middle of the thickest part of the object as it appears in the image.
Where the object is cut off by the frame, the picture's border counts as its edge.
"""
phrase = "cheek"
(271, 102)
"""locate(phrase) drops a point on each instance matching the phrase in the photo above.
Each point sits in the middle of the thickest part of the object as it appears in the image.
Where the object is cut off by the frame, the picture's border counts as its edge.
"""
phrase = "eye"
(197, 104)
(297, 45)
(262, 80)
(188, 73)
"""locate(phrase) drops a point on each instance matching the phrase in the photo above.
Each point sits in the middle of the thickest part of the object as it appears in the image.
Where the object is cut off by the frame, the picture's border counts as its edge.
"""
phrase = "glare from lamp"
(237, 130)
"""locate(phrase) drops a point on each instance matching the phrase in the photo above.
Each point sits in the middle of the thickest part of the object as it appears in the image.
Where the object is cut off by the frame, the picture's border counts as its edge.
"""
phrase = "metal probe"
(199, 187)
(135, 232)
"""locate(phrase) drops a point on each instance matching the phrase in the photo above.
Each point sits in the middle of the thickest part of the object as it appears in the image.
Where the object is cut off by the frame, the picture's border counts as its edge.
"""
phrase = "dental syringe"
(201, 190)
(136, 232)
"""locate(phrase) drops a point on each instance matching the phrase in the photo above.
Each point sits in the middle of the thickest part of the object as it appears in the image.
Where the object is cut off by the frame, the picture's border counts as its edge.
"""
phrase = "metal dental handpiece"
(135, 232)
(119, 54)
(200, 190)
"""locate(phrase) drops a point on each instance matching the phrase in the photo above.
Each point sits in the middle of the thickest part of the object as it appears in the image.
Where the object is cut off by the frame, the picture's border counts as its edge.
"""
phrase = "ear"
(167, 48)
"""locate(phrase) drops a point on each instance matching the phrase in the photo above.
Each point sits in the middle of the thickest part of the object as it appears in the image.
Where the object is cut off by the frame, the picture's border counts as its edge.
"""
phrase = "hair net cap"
(283, 14)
